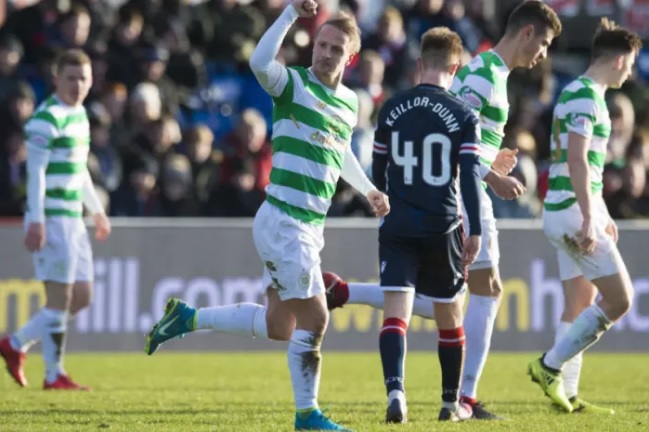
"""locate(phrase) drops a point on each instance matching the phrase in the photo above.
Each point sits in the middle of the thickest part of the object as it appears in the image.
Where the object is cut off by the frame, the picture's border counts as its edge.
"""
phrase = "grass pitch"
(252, 392)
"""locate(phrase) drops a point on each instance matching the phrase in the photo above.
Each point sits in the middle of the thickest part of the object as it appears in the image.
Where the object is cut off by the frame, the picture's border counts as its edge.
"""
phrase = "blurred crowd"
(180, 127)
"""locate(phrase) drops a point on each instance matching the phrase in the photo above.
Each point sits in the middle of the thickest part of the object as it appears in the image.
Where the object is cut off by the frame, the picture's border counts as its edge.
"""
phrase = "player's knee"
(494, 288)
(621, 306)
(311, 314)
(615, 308)
(485, 282)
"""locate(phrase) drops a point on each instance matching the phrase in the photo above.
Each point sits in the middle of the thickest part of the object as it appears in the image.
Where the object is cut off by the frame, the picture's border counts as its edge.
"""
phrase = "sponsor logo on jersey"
(468, 95)
(582, 122)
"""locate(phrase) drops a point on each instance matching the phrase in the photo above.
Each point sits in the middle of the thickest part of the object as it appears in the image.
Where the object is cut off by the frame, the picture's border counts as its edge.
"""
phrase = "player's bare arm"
(38, 157)
(102, 226)
(92, 202)
(353, 174)
(580, 179)
(35, 237)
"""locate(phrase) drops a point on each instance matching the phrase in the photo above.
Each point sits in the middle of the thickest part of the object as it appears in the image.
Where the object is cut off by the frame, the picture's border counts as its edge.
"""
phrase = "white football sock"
(30, 333)
(585, 331)
(53, 339)
(572, 369)
(304, 362)
(244, 319)
(365, 293)
(371, 294)
(423, 308)
(478, 328)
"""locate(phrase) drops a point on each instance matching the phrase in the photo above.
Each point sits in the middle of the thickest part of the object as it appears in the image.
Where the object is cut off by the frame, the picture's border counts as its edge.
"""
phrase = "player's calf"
(304, 357)
(486, 289)
(616, 293)
(392, 346)
(451, 358)
(485, 281)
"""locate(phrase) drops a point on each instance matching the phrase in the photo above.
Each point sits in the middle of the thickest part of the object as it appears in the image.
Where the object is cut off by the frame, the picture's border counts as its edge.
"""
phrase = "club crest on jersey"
(304, 280)
(581, 121)
(468, 95)
(321, 105)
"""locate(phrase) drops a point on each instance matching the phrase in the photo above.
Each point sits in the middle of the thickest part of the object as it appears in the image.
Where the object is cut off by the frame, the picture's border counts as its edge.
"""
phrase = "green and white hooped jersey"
(312, 128)
(581, 109)
(482, 84)
(65, 132)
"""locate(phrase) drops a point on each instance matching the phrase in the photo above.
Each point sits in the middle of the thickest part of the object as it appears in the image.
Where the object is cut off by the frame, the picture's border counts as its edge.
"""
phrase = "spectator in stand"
(73, 28)
(389, 41)
(11, 53)
(162, 66)
(206, 167)
(247, 152)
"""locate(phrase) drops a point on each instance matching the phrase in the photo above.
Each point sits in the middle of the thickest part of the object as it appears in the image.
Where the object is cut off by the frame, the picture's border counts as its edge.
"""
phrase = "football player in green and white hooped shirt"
(482, 84)
(313, 118)
(58, 187)
(577, 222)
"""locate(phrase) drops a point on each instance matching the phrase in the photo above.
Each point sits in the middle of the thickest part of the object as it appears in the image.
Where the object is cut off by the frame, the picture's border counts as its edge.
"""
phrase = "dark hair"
(536, 13)
(611, 39)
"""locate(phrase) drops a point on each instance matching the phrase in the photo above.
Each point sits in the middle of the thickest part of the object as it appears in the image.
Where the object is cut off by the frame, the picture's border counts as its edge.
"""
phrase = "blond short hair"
(71, 57)
(348, 25)
(441, 47)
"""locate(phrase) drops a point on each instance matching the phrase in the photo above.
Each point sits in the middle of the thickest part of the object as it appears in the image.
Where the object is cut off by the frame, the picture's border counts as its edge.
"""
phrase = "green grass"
(252, 392)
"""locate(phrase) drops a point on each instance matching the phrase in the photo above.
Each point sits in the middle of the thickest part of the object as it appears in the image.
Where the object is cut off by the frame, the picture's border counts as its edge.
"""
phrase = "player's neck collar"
(315, 77)
(601, 88)
(505, 65)
(60, 101)
(429, 85)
